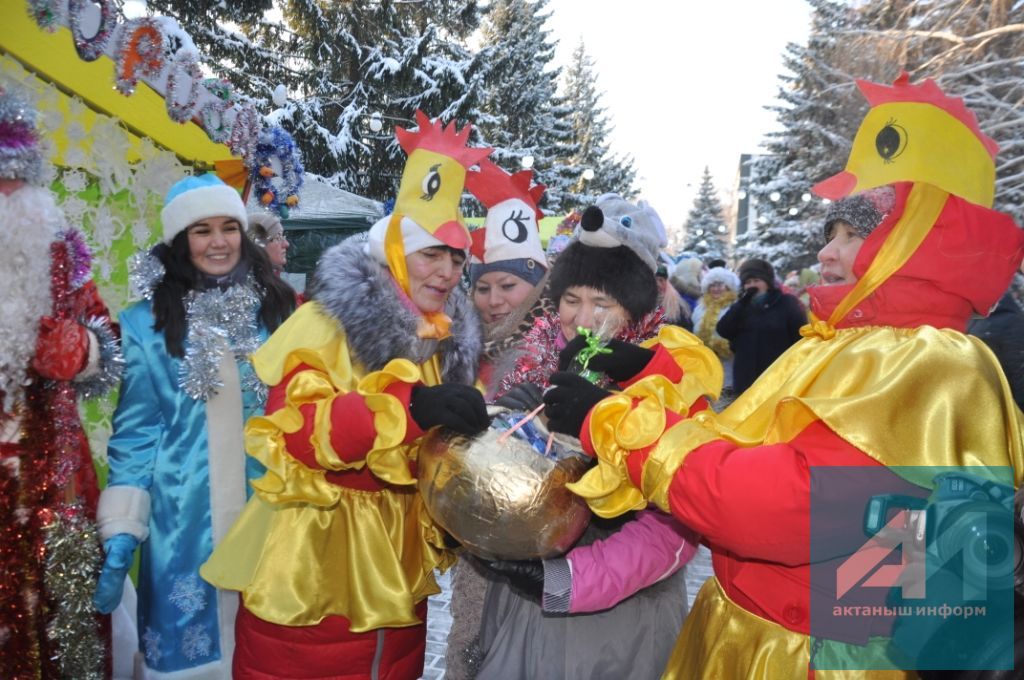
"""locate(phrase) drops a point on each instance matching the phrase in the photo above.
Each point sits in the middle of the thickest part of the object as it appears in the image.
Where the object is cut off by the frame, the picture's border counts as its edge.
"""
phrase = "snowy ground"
(439, 619)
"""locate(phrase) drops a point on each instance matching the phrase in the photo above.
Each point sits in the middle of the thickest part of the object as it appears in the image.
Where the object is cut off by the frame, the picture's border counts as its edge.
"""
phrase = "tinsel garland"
(213, 113)
(217, 318)
(48, 14)
(277, 143)
(72, 562)
(183, 65)
(111, 361)
(20, 156)
(79, 257)
(91, 49)
(139, 54)
(214, 318)
(245, 132)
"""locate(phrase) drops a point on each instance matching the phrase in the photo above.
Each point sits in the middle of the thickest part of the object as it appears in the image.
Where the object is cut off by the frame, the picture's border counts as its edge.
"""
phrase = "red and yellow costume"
(883, 376)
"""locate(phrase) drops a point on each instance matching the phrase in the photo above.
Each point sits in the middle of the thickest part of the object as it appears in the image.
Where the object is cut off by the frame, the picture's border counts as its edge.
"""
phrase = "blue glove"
(120, 550)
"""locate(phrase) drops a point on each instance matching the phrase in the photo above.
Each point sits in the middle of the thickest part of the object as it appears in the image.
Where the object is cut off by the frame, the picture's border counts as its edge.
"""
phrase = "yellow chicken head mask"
(916, 133)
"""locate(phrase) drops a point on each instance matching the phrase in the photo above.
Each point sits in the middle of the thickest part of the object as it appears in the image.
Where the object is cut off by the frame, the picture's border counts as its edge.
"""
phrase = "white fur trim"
(124, 510)
(414, 237)
(92, 364)
(720, 275)
(197, 204)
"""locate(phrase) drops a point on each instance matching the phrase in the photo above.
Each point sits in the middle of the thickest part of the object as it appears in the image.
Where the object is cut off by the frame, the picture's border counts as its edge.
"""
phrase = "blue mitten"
(120, 550)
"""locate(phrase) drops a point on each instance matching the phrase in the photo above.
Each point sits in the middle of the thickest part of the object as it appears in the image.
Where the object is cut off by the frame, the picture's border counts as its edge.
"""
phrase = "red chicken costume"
(884, 376)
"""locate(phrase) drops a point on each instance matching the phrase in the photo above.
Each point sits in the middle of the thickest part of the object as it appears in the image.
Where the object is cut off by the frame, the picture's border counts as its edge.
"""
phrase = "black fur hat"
(618, 271)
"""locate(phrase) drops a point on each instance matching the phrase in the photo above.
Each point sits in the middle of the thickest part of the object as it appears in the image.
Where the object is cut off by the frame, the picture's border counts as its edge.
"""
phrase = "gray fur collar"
(359, 293)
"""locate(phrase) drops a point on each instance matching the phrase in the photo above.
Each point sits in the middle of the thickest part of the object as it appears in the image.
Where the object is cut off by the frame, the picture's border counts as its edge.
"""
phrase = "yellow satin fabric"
(304, 548)
(720, 639)
(906, 397)
(623, 426)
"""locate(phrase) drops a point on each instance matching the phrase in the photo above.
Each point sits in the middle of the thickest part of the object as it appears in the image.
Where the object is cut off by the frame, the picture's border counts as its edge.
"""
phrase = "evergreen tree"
(819, 113)
(521, 113)
(591, 129)
(706, 232)
(343, 62)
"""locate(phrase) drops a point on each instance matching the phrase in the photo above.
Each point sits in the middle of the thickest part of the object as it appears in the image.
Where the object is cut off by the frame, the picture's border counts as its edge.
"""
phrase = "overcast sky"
(684, 83)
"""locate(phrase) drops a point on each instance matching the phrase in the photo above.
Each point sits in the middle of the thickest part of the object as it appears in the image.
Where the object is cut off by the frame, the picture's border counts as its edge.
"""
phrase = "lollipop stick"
(529, 416)
(551, 438)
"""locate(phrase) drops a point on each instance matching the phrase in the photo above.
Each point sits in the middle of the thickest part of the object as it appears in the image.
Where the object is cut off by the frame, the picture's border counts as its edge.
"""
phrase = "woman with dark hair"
(178, 471)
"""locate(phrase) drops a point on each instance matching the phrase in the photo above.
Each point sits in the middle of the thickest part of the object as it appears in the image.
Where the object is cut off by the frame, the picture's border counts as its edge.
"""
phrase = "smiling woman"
(178, 471)
(215, 245)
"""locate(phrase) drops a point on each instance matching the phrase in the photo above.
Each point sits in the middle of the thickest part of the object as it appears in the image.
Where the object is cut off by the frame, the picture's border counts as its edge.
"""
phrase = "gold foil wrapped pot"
(500, 496)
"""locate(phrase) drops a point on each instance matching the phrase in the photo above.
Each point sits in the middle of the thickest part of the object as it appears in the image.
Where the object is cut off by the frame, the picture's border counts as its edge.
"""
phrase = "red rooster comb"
(492, 185)
(442, 139)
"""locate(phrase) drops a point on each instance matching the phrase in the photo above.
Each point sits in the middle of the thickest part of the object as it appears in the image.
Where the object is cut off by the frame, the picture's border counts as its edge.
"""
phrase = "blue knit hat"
(196, 198)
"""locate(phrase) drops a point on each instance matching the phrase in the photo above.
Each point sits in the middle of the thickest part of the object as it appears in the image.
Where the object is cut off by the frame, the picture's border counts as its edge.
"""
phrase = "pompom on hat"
(197, 198)
(20, 155)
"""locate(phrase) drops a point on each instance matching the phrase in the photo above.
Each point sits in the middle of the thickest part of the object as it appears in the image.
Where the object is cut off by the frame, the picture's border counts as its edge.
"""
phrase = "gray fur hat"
(264, 227)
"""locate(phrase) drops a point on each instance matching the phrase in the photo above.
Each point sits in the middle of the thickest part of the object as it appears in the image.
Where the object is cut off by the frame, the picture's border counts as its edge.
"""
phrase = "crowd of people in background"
(263, 460)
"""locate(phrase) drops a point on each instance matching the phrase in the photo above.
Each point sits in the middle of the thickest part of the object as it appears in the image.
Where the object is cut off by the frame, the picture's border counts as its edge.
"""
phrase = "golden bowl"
(500, 497)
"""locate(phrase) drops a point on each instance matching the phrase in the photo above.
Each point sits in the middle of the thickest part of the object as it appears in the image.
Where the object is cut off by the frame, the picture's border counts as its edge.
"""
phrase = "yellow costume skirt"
(721, 640)
(370, 558)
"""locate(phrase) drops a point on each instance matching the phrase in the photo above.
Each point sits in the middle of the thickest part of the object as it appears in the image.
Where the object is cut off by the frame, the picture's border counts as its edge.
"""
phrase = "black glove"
(525, 576)
(459, 407)
(522, 397)
(747, 295)
(568, 402)
(622, 363)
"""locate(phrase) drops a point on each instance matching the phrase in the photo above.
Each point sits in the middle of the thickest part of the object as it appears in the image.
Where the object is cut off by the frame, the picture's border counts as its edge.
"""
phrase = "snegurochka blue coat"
(178, 478)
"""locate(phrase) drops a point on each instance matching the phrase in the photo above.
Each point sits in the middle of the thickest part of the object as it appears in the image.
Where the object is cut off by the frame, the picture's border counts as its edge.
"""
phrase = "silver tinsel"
(72, 562)
(111, 361)
(144, 272)
(20, 155)
(215, 319)
(218, 318)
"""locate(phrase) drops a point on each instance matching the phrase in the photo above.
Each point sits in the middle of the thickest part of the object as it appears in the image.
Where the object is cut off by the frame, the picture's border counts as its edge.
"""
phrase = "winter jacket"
(759, 329)
(597, 576)
(612, 605)
(825, 403)
(1003, 331)
(335, 553)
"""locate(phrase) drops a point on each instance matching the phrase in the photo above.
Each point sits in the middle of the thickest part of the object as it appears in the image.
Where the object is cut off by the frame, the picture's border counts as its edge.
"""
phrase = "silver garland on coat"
(214, 318)
(111, 361)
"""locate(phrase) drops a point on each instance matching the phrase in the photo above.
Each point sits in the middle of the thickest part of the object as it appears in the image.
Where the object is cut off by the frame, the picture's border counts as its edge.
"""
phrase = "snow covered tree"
(972, 49)
(819, 111)
(521, 113)
(705, 228)
(591, 128)
(342, 63)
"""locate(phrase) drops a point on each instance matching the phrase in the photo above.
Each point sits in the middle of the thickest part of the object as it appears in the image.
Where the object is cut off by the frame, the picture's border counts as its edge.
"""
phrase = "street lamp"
(588, 174)
(526, 162)
(376, 124)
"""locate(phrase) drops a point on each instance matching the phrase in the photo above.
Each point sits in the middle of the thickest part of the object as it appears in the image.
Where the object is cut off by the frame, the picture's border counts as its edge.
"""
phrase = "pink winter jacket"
(646, 550)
